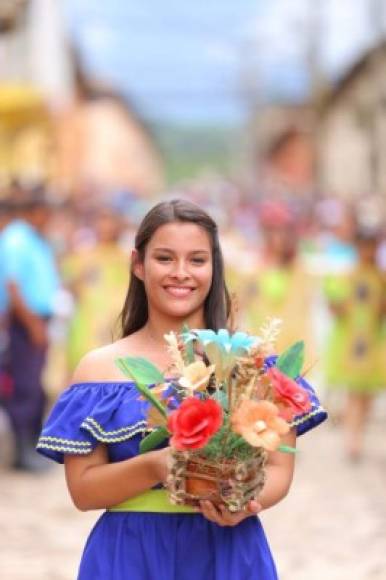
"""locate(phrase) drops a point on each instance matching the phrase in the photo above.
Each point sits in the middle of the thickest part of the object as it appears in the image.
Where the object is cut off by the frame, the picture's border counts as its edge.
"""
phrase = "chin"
(180, 310)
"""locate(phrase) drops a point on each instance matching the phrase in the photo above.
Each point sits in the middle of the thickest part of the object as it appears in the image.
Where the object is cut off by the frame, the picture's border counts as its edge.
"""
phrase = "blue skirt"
(148, 546)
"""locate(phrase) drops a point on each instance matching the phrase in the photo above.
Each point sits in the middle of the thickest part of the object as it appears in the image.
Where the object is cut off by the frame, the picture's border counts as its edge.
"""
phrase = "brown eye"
(198, 260)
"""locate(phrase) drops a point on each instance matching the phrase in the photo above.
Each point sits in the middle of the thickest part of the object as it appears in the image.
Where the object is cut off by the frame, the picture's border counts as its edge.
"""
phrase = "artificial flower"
(194, 423)
(236, 343)
(291, 398)
(155, 418)
(223, 348)
(195, 377)
(174, 350)
(258, 422)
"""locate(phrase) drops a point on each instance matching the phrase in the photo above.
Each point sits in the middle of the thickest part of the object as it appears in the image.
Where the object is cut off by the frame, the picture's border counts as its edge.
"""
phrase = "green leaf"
(144, 374)
(141, 370)
(287, 449)
(154, 439)
(290, 362)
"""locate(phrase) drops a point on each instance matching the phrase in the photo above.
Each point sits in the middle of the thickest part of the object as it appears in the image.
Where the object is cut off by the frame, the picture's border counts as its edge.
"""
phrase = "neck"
(158, 325)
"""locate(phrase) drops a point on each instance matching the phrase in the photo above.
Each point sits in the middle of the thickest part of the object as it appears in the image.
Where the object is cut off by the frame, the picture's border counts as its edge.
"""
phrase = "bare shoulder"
(99, 364)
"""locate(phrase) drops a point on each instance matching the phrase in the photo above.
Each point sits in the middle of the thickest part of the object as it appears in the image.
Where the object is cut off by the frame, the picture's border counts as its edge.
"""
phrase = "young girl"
(97, 424)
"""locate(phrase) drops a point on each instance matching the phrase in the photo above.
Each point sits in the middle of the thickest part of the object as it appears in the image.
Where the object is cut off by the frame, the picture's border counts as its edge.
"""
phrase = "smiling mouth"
(179, 291)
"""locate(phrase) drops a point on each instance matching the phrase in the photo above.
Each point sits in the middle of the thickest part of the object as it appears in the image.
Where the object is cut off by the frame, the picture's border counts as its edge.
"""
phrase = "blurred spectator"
(32, 282)
(355, 348)
(5, 218)
(337, 228)
(98, 277)
(6, 443)
(280, 287)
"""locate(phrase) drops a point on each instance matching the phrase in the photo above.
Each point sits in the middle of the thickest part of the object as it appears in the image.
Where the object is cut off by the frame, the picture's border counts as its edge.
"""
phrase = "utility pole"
(252, 94)
(318, 83)
(377, 159)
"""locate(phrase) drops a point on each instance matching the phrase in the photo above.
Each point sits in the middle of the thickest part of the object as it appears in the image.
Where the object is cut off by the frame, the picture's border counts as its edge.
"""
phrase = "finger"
(234, 518)
(254, 507)
(230, 518)
(210, 512)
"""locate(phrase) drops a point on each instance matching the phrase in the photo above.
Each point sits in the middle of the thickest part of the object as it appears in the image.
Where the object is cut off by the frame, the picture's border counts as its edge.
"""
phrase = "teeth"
(178, 291)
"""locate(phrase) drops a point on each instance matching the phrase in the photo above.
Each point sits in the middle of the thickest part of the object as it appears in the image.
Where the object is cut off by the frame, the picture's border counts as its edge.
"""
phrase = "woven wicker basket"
(192, 477)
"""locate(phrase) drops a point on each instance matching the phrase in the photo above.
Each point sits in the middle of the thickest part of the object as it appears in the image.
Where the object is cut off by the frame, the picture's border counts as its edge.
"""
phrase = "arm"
(337, 309)
(93, 482)
(36, 327)
(280, 470)
(96, 484)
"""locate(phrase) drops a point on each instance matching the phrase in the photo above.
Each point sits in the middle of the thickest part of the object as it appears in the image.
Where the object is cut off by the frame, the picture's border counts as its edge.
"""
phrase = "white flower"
(174, 351)
(195, 377)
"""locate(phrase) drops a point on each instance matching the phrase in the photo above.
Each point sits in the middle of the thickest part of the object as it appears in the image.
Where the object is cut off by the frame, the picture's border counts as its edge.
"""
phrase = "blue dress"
(151, 546)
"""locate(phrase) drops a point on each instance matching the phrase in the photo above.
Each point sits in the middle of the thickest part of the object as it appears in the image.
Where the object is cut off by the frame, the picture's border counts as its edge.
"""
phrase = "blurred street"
(331, 527)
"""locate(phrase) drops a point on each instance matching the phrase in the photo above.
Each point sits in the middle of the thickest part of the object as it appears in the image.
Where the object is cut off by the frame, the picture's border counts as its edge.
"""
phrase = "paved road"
(332, 526)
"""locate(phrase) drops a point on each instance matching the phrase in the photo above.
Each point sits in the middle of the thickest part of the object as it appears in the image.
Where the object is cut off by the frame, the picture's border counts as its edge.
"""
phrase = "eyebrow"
(172, 251)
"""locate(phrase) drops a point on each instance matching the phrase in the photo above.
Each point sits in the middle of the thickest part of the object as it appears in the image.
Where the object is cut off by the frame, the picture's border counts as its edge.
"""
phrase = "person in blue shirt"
(5, 218)
(6, 447)
(31, 278)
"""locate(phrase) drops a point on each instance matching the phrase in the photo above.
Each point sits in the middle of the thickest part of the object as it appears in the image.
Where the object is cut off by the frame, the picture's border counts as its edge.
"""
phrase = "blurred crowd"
(319, 265)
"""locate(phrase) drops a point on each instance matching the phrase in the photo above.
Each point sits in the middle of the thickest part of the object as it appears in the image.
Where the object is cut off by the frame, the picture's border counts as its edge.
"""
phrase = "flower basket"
(232, 482)
(225, 406)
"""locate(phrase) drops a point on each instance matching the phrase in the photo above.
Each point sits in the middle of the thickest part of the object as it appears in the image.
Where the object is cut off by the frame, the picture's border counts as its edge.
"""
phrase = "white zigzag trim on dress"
(110, 438)
(305, 418)
(63, 449)
(71, 442)
(89, 422)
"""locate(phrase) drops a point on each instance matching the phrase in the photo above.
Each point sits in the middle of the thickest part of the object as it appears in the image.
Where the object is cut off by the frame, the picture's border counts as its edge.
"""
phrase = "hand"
(38, 333)
(223, 517)
(160, 463)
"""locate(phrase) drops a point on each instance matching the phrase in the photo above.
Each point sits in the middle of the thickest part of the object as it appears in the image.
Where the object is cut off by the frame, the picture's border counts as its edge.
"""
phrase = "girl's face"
(177, 270)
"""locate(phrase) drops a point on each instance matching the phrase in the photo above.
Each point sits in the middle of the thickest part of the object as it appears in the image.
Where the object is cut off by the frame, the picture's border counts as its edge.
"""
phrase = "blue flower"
(237, 343)
(222, 348)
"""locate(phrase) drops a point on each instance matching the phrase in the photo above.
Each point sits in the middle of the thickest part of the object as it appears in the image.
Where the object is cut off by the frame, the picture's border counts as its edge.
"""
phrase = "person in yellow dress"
(356, 351)
(98, 277)
(280, 286)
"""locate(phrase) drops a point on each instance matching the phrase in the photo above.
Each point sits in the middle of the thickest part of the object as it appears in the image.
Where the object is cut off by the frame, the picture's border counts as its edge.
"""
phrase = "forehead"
(181, 236)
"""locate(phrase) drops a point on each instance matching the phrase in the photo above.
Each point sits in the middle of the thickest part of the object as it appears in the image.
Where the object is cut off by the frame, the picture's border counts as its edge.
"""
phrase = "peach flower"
(258, 422)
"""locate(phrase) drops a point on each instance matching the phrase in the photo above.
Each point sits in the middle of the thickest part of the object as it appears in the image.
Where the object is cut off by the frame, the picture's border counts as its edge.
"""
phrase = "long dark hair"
(217, 304)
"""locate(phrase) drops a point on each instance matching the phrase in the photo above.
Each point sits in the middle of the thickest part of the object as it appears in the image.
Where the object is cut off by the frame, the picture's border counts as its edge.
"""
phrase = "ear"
(137, 267)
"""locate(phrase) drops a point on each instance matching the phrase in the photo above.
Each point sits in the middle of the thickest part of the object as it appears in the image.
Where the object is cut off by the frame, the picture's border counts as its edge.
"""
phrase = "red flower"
(194, 423)
(291, 398)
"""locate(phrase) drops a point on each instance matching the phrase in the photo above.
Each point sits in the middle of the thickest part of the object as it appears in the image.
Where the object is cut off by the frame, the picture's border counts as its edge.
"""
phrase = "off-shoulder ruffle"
(90, 413)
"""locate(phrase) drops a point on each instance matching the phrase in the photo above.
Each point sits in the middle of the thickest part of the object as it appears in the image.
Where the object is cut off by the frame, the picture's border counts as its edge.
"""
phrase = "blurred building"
(352, 130)
(54, 125)
(103, 144)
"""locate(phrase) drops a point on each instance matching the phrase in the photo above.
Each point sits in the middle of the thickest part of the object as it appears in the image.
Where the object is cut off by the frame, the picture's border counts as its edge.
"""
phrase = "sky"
(208, 61)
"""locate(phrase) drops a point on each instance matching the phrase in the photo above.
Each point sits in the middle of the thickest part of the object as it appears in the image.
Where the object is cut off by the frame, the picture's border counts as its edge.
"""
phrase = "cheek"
(205, 277)
(152, 272)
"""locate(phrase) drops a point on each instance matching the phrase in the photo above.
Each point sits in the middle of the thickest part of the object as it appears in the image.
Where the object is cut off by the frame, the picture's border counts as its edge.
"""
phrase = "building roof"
(351, 74)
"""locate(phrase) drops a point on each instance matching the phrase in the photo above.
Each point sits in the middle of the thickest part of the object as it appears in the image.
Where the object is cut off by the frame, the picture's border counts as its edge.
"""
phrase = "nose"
(180, 270)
